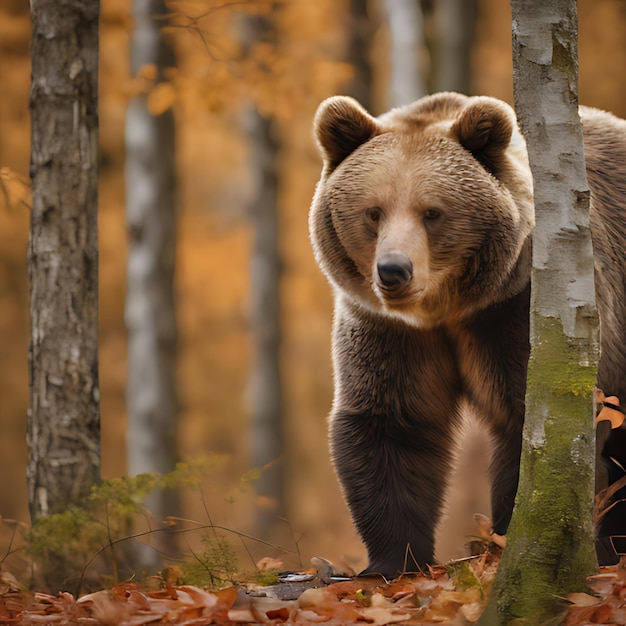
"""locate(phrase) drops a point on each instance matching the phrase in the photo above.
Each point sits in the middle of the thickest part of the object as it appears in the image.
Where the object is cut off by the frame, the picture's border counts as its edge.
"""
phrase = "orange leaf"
(588, 615)
(281, 614)
(161, 98)
(583, 599)
(148, 71)
(227, 597)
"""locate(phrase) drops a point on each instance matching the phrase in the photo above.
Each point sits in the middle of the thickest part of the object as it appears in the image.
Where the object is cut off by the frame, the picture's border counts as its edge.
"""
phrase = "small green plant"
(62, 545)
(462, 575)
(95, 541)
(58, 543)
(214, 566)
(265, 577)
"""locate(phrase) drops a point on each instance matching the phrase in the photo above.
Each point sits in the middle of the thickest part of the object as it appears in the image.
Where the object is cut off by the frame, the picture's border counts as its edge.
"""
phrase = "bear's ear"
(341, 125)
(484, 127)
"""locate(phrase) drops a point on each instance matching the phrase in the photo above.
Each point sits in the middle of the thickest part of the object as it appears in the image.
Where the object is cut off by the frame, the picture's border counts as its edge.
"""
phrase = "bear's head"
(423, 213)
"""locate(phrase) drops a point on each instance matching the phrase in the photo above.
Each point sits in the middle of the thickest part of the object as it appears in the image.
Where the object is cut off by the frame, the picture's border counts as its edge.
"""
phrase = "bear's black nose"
(394, 269)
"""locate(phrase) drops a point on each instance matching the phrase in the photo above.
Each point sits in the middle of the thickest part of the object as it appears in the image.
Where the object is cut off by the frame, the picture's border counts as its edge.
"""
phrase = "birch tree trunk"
(265, 384)
(150, 309)
(265, 379)
(551, 549)
(63, 431)
(406, 29)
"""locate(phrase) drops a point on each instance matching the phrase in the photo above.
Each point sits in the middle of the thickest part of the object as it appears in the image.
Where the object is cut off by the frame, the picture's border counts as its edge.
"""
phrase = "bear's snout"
(394, 270)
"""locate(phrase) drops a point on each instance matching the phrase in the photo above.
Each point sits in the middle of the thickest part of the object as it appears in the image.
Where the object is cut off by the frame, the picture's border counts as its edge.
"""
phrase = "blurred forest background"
(316, 49)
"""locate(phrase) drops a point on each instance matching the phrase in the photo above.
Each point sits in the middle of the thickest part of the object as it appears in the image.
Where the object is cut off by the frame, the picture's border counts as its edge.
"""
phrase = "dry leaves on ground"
(445, 595)
(607, 606)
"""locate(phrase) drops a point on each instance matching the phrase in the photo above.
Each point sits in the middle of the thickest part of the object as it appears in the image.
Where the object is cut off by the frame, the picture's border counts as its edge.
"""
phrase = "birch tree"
(550, 547)
(150, 309)
(63, 431)
(406, 30)
(266, 393)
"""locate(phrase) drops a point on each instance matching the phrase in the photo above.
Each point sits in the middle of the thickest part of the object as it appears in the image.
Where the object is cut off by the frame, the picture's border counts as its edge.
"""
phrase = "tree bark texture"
(63, 431)
(150, 315)
(406, 28)
(551, 548)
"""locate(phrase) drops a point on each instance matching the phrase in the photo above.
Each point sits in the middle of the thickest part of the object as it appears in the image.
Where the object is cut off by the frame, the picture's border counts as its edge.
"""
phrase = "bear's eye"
(432, 214)
(373, 215)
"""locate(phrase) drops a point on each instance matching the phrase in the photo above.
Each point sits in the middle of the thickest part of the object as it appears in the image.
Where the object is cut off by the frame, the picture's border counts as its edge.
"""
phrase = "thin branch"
(179, 531)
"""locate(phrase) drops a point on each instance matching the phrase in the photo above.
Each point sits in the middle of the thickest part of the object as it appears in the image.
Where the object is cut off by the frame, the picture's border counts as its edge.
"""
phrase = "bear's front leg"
(393, 475)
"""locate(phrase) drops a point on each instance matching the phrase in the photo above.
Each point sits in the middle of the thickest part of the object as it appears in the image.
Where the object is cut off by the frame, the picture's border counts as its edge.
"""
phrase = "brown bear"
(421, 222)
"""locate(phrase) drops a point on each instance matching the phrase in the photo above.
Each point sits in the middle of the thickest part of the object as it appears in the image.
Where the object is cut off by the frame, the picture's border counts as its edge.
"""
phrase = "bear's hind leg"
(504, 472)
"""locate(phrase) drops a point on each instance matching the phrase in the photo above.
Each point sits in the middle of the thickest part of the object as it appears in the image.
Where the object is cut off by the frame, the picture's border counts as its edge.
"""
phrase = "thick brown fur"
(421, 222)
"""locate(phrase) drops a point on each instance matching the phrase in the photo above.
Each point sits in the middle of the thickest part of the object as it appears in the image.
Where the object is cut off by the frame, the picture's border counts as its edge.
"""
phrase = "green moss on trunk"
(550, 548)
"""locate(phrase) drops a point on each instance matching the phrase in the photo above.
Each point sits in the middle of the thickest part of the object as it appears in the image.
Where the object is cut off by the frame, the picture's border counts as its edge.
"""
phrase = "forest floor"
(453, 594)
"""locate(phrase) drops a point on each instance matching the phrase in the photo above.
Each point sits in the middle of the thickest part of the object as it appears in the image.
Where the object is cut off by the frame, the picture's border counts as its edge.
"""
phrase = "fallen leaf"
(381, 616)
(580, 615)
(280, 614)
(309, 616)
(472, 611)
(583, 599)
(325, 602)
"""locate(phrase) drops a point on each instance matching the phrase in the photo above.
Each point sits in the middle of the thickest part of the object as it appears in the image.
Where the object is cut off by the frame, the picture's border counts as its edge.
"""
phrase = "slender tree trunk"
(266, 395)
(266, 381)
(406, 27)
(150, 309)
(551, 549)
(456, 25)
(64, 421)
(360, 30)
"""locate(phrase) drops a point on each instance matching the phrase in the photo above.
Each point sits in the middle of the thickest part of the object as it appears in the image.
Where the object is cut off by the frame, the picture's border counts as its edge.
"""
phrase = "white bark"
(551, 549)
(150, 312)
(265, 376)
(265, 386)
(548, 113)
(406, 27)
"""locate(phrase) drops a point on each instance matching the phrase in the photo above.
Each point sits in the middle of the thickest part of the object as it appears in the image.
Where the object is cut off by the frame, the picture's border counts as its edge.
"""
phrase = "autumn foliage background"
(207, 91)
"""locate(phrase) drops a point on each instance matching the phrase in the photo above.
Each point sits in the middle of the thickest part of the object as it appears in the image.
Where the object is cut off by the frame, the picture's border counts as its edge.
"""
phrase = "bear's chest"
(408, 375)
